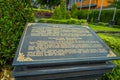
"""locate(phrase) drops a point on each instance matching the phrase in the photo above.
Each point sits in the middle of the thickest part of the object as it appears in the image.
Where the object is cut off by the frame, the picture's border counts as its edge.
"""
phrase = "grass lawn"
(103, 28)
(113, 40)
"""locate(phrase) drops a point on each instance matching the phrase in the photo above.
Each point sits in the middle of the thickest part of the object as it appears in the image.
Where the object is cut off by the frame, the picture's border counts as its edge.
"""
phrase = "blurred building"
(85, 3)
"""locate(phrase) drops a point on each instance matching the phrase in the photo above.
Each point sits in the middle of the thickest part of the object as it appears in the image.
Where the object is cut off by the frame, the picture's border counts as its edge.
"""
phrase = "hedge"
(113, 40)
(66, 21)
(14, 14)
(42, 12)
(106, 15)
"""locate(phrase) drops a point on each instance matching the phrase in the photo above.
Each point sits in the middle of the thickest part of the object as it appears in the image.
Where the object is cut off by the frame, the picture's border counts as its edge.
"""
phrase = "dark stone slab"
(63, 71)
(90, 77)
(48, 44)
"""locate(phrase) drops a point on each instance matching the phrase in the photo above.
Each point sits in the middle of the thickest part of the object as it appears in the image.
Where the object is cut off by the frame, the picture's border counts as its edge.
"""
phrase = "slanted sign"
(43, 43)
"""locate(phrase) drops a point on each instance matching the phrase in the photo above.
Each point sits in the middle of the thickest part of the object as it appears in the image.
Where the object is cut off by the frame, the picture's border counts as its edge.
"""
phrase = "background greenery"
(106, 15)
(104, 28)
(48, 3)
(62, 21)
(40, 13)
(113, 40)
(14, 14)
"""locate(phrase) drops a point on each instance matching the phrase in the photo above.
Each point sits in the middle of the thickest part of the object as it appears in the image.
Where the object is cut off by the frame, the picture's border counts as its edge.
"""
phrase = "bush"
(68, 16)
(114, 42)
(106, 15)
(103, 24)
(67, 21)
(74, 11)
(14, 14)
(60, 11)
(81, 14)
(63, 9)
(52, 21)
(57, 13)
(116, 26)
(42, 12)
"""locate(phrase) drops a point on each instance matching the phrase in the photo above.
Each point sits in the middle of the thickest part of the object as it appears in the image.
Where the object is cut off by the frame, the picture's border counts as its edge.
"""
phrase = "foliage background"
(106, 15)
(14, 14)
(48, 3)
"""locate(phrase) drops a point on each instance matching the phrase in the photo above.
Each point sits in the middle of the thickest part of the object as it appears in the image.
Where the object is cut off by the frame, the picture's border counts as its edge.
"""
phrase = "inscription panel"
(55, 42)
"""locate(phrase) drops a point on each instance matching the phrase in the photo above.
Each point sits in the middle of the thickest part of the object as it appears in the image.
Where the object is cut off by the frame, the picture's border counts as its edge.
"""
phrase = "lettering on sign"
(50, 41)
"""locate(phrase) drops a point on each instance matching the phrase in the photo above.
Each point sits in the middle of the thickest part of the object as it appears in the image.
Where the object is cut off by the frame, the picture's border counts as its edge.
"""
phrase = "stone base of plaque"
(61, 52)
(90, 77)
(69, 72)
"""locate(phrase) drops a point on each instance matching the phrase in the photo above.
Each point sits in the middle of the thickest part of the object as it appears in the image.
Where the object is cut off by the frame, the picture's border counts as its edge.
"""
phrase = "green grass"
(103, 28)
(113, 40)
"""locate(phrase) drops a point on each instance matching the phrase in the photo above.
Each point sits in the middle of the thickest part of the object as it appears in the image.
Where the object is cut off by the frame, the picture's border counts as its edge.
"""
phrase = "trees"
(63, 9)
(60, 11)
(73, 11)
(115, 3)
(14, 14)
(57, 13)
(50, 3)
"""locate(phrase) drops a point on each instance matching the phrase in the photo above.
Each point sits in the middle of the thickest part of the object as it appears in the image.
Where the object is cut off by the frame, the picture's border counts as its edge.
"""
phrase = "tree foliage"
(63, 9)
(50, 3)
(14, 14)
(115, 3)
(57, 13)
(60, 11)
(74, 10)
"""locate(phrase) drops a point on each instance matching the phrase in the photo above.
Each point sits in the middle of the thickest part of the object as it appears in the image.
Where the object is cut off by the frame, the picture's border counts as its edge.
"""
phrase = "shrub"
(14, 14)
(81, 14)
(42, 12)
(116, 26)
(74, 11)
(114, 42)
(103, 24)
(68, 16)
(57, 13)
(63, 9)
(117, 18)
(53, 21)
(106, 15)
(60, 11)
(67, 21)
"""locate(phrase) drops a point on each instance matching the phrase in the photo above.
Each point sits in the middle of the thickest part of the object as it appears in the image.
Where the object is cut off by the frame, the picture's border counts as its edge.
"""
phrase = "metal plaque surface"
(43, 43)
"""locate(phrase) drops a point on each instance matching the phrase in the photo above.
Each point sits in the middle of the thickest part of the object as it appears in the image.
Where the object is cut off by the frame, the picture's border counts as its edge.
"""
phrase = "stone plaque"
(61, 70)
(43, 43)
